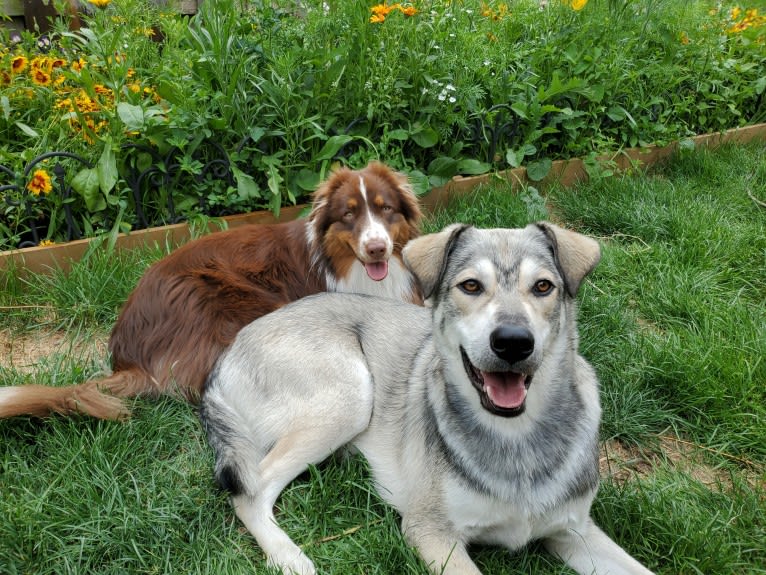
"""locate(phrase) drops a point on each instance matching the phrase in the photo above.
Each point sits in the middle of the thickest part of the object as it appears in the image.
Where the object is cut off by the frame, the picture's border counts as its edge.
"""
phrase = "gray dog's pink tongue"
(377, 270)
(505, 389)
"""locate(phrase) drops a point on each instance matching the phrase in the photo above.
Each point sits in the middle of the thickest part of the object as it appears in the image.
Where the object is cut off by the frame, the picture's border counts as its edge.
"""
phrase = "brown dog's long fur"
(189, 306)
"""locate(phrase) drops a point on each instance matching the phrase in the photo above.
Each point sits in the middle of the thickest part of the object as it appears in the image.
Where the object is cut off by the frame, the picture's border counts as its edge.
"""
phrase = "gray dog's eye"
(543, 287)
(471, 287)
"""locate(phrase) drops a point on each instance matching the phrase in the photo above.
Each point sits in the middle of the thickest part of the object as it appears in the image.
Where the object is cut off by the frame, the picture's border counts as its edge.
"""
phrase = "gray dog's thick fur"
(477, 415)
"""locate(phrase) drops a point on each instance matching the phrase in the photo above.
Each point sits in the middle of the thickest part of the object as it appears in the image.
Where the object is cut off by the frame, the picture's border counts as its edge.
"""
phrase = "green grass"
(673, 319)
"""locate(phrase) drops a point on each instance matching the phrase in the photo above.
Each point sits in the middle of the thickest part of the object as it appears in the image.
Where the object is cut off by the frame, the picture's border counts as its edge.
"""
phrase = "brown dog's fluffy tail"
(98, 398)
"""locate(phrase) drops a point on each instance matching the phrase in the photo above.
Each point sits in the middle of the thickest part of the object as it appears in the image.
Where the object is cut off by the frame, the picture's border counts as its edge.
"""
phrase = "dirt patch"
(622, 463)
(22, 351)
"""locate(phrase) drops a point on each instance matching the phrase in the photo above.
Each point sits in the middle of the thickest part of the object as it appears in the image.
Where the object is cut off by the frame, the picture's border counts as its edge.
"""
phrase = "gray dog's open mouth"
(501, 392)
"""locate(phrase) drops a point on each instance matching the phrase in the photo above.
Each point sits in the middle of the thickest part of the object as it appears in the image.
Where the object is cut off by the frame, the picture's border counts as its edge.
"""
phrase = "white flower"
(452, 99)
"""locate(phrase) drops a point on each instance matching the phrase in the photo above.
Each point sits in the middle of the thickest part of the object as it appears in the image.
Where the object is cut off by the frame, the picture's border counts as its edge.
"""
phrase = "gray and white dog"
(477, 415)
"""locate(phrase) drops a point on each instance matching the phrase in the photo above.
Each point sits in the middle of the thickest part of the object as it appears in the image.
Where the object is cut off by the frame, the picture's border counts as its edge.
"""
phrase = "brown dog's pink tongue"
(377, 270)
(505, 389)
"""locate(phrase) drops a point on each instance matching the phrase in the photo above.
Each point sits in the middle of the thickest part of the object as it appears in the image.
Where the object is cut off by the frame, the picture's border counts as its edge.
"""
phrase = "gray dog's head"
(501, 301)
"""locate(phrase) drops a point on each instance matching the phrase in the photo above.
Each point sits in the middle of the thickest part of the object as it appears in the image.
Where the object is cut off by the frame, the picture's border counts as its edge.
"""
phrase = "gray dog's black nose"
(512, 343)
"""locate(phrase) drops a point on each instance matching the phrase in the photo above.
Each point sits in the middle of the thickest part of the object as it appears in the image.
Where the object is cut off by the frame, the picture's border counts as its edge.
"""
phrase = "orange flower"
(380, 11)
(40, 183)
(102, 90)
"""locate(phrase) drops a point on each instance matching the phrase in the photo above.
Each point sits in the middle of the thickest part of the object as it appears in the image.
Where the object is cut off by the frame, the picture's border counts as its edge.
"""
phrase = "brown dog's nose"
(512, 342)
(376, 248)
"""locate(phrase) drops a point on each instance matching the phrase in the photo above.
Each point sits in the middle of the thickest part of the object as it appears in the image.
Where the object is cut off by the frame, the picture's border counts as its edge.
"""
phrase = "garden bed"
(563, 172)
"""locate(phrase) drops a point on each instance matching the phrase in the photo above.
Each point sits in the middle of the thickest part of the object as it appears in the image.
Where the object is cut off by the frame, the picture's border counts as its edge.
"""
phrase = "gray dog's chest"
(422, 426)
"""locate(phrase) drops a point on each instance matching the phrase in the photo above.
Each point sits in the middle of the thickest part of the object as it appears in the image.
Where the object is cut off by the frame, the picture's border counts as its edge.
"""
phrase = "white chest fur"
(483, 519)
(396, 285)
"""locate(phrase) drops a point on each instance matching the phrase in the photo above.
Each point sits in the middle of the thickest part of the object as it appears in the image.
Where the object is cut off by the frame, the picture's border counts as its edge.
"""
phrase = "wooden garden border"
(565, 172)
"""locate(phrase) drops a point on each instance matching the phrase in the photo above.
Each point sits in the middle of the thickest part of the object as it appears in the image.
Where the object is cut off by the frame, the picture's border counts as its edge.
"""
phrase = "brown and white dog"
(189, 306)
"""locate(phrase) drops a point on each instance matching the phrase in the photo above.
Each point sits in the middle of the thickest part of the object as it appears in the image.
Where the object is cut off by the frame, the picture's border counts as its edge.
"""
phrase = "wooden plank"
(44, 259)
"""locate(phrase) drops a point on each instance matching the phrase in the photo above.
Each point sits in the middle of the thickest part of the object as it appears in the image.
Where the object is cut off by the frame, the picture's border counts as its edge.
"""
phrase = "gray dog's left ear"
(426, 256)
(576, 255)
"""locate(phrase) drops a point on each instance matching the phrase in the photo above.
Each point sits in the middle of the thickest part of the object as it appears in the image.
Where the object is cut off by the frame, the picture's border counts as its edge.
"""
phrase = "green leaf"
(425, 137)
(538, 169)
(616, 113)
(169, 92)
(512, 158)
(443, 167)
(420, 182)
(107, 168)
(473, 167)
(307, 180)
(594, 93)
(27, 130)
(528, 150)
(400, 135)
(274, 182)
(520, 108)
(332, 146)
(132, 116)
(85, 183)
(247, 189)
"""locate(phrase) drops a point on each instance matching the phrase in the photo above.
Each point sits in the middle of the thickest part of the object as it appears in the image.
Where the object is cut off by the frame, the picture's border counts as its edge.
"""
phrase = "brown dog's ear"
(576, 255)
(426, 256)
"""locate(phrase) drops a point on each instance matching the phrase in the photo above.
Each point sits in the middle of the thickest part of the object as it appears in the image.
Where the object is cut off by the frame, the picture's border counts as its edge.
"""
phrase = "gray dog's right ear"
(426, 256)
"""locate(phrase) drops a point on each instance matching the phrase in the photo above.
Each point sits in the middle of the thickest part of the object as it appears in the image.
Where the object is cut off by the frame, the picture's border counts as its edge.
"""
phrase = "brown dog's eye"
(471, 287)
(348, 216)
(543, 287)
(387, 209)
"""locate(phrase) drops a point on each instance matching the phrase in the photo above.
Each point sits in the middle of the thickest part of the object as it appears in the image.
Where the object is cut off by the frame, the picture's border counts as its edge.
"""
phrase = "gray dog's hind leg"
(290, 456)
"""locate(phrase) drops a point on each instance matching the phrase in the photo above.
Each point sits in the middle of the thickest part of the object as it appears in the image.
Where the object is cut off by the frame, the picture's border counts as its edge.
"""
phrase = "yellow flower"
(40, 183)
(42, 63)
(408, 10)
(41, 77)
(735, 12)
(683, 37)
(495, 14)
(100, 3)
(18, 64)
(44, 243)
(377, 18)
(578, 4)
(78, 64)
